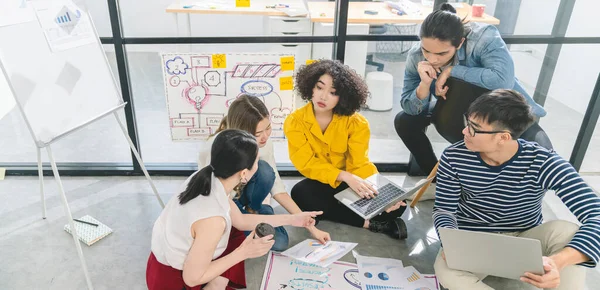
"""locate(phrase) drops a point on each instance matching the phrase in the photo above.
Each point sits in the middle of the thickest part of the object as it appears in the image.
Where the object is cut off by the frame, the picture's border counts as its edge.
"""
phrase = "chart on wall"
(200, 87)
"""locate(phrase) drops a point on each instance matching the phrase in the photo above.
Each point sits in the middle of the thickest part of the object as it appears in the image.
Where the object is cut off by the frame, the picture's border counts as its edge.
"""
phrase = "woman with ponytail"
(195, 244)
(251, 115)
(472, 52)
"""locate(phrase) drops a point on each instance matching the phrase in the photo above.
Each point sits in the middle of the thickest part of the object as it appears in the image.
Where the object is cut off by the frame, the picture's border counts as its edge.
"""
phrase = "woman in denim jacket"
(474, 53)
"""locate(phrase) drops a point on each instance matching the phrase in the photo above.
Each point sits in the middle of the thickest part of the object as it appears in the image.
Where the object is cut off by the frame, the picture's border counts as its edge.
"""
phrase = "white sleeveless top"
(172, 232)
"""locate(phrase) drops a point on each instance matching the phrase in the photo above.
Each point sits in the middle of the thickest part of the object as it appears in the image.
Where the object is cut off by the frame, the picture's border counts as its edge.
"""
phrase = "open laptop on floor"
(388, 194)
(491, 254)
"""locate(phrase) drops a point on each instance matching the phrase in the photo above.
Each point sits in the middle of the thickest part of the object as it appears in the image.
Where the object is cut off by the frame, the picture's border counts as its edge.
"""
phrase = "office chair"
(448, 120)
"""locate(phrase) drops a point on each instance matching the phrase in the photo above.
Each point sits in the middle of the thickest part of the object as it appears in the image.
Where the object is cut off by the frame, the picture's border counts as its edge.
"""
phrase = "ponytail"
(199, 184)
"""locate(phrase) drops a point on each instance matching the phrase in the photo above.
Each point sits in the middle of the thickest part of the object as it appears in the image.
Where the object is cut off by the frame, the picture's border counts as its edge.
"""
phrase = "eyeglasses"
(473, 131)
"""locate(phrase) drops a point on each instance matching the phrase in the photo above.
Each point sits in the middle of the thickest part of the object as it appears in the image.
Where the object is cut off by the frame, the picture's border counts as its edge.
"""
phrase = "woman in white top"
(193, 243)
(251, 115)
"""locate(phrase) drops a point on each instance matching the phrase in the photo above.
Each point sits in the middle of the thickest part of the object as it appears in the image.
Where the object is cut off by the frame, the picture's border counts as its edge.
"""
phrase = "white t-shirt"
(172, 232)
(265, 153)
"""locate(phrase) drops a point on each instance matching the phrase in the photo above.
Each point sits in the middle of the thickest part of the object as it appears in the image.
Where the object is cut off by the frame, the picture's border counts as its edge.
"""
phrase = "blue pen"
(188, 6)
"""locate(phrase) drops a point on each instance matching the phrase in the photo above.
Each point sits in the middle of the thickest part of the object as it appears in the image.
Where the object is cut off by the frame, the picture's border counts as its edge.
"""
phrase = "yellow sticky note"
(309, 61)
(286, 83)
(287, 63)
(219, 61)
(2, 173)
(242, 3)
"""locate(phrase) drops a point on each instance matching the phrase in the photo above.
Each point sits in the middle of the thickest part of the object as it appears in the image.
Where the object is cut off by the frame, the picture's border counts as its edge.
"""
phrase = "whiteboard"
(61, 90)
(200, 87)
(7, 102)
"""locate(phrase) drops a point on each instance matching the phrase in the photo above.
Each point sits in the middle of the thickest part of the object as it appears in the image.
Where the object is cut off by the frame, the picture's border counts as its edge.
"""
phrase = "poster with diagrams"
(285, 273)
(200, 87)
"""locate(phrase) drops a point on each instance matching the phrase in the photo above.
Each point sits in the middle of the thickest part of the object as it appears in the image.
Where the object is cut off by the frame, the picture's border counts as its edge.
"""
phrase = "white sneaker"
(428, 194)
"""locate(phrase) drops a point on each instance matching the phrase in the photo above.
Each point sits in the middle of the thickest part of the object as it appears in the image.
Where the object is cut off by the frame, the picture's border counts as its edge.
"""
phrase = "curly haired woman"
(328, 143)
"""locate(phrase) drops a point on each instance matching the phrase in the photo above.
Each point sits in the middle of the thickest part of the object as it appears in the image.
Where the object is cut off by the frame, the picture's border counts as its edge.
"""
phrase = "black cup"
(263, 230)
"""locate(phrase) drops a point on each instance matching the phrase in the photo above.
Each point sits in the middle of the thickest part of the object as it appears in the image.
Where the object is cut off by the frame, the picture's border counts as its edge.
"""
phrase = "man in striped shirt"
(492, 182)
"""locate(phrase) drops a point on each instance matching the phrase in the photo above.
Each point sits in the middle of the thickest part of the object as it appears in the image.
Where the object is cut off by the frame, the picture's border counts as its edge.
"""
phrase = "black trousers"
(312, 195)
(411, 130)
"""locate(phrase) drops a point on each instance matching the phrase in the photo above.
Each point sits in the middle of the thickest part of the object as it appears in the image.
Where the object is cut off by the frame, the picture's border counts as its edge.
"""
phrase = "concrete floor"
(38, 254)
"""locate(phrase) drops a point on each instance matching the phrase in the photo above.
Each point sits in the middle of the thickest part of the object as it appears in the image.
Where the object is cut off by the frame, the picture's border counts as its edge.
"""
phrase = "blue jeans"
(253, 195)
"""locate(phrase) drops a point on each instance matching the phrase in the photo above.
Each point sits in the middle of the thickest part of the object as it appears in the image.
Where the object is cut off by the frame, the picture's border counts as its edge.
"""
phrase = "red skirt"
(163, 277)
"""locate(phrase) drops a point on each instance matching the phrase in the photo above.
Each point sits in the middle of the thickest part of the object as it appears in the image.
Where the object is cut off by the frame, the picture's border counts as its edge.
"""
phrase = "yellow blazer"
(318, 156)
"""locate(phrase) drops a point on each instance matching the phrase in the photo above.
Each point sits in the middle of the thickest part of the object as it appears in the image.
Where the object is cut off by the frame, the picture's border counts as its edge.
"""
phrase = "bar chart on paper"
(378, 287)
(66, 18)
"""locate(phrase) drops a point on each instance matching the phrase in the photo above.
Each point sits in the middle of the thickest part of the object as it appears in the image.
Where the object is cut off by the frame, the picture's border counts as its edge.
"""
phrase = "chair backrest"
(448, 114)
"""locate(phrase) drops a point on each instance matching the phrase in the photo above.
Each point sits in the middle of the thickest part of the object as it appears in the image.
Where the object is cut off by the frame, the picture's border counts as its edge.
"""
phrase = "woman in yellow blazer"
(328, 143)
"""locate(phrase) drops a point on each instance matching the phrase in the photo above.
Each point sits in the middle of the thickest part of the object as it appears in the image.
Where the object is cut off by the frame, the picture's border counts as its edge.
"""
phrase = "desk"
(317, 9)
(257, 7)
(356, 13)
(318, 22)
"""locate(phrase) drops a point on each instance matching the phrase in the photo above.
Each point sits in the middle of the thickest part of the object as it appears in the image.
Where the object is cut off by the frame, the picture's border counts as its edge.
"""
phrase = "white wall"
(536, 17)
(578, 65)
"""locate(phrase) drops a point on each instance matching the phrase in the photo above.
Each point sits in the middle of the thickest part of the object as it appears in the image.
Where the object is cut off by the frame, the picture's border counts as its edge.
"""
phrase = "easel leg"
(70, 217)
(139, 159)
(41, 178)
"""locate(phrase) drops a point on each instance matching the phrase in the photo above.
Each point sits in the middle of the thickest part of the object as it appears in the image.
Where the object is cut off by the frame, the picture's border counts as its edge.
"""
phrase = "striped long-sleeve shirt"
(472, 195)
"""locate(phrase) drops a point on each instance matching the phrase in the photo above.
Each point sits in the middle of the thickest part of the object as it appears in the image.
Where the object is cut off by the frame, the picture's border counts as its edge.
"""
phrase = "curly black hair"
(349, 86)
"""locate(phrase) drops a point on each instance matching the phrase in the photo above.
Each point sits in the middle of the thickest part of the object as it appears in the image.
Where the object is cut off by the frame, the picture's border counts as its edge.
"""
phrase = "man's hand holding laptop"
(552, 267)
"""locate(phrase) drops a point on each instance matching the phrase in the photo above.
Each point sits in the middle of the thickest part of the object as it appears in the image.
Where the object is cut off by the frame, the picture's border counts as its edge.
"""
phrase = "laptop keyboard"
(386, 193)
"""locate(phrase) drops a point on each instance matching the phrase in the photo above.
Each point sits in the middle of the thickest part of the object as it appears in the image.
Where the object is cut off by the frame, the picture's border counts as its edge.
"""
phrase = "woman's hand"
(319, 235)
(440, 85)
(427, 72)
(395, 206)
(362, 187)
(254, 248)
(304, 219)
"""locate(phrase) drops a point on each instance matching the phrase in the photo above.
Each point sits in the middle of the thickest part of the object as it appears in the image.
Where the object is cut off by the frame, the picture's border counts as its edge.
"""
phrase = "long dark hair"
(244, 113)
(233, 150)
(444, 25)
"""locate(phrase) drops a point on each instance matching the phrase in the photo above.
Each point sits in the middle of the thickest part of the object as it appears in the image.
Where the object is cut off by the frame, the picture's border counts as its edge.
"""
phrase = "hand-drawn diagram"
(200, 87)
(285, 273)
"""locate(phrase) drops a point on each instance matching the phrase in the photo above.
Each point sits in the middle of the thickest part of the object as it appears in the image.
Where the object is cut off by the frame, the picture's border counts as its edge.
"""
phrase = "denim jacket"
(484, 61)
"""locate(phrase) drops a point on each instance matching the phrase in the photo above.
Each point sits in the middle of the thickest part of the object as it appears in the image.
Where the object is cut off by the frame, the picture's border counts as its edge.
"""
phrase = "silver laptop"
(491, 254)
(388, 194)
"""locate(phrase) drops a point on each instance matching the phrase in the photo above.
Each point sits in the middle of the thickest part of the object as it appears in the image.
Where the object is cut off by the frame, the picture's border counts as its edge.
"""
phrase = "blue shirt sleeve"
(410, 103)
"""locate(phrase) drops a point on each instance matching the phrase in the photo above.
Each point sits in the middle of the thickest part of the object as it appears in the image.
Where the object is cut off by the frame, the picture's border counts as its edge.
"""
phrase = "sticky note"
(287, 63)
(242, 3)
(309, 61)
(219, 61)
(2, 173)
(286, 83)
